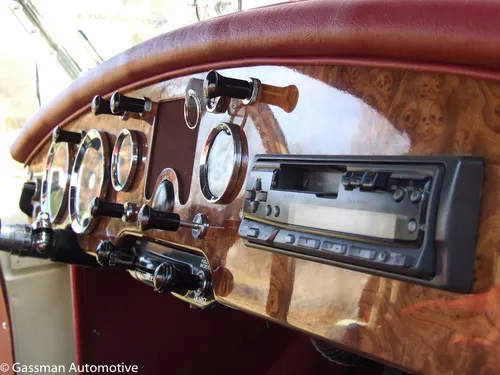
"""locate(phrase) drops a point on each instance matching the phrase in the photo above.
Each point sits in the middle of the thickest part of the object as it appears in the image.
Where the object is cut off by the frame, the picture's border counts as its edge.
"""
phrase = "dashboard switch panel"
(404, 217)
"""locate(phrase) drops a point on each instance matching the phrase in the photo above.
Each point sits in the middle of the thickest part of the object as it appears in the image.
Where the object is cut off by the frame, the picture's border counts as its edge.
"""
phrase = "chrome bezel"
(136, 150)
(61, 212)
(234, 131)
(84, 145)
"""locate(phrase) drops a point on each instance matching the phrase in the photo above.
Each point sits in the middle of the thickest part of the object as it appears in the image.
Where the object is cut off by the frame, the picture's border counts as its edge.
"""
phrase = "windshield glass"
(112, 26)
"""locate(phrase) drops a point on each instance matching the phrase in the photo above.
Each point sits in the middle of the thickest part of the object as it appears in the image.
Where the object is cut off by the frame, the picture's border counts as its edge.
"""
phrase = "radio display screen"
(356, 222)
(310, 179)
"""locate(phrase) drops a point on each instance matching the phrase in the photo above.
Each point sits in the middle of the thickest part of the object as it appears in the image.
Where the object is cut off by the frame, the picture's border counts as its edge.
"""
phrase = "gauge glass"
(88, 179)
(124, 159)
(220, 163)
(56, 179)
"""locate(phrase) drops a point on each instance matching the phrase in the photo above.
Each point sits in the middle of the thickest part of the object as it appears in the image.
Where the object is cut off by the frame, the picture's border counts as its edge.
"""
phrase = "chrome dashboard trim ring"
(90, 137)
(191, 94)
(136, 151)
(228, 195)
(61, 212)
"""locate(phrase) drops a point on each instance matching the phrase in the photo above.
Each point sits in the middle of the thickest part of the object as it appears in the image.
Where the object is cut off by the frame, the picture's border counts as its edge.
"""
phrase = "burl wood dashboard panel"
(348, 111)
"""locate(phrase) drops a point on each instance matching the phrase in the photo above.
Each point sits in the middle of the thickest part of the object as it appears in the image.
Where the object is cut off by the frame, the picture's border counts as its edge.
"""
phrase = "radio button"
(254, 206)
(362, 253)
(383, 256)
(309, 242)
(290, 239)
(356, 179)
(374, 180)
(398, 195)
(346, 179)
(415, 196)
(412, 226)
(334, 247)
(250, 195)
(399, 260)
(277, 211)
(262, 196)
(274, 180)
(253, 232)
(257, 185)
(368, 179)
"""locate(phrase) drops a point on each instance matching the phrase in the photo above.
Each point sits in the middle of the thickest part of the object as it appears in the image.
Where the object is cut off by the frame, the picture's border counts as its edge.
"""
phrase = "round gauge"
(89, 179)
(220, 163)
(126, 154)
(56, 180)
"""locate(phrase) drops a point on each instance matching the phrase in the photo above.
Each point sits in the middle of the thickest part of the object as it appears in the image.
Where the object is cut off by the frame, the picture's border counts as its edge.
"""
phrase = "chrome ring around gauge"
(220, 163)
(89, 179)
(124, 159)
(191, 94)
(56, 180)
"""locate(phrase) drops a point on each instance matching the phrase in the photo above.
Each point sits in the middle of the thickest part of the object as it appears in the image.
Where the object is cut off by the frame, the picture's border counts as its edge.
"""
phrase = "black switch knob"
(121, 103)
(216, 85)
(109, 256)
(59, 135)
(27, 194)
(101, 106)
(100, 207)
(175, 278)
(150, 218)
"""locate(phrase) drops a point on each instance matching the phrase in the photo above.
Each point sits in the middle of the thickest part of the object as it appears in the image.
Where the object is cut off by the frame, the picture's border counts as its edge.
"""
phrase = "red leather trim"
(439, 35)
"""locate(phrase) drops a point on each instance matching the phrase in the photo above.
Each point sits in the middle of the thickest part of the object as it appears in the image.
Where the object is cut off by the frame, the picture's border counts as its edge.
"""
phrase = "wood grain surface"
(348, 111)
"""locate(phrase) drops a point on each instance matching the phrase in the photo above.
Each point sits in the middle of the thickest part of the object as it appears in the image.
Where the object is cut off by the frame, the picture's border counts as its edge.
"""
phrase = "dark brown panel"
(173, 146)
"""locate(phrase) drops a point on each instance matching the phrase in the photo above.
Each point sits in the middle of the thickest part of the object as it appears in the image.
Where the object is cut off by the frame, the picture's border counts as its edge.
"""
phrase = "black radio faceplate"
(410, 218)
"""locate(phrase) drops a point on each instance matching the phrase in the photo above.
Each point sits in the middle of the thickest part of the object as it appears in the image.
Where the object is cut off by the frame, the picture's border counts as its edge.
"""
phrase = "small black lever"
(120, 103)
(175, 278)
(150, 218)
(101, 106)
(59, 135)
(100, 207)
(110, 256)
(216, 85)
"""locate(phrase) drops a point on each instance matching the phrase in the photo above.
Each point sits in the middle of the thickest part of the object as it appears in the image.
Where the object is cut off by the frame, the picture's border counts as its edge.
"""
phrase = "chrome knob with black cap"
(176, 278)
(59, 135)
(108, 209)
(120, 103)
(109, 256)
(26, 198)
(216, 85)
(150, 218)
(101, 106)
(127, 211)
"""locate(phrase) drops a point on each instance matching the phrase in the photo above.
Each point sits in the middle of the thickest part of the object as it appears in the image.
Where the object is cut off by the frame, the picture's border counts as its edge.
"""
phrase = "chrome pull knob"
(59, 135)
(120, 103)
(101, 106)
